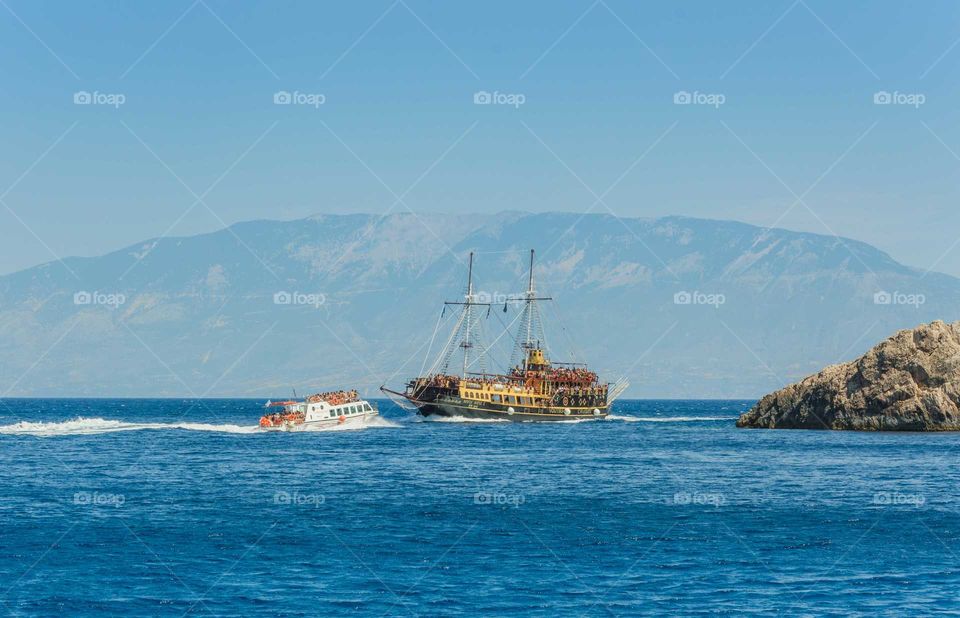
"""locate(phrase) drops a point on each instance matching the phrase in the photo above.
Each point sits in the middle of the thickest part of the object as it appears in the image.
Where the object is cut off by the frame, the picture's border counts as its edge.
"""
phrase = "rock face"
(910, 382)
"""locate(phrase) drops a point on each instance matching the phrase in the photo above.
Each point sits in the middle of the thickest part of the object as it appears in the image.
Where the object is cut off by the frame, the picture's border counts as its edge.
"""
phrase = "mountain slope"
(683, 307)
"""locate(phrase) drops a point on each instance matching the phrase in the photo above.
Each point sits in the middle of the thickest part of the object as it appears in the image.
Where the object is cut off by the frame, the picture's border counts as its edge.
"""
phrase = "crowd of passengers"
(575, 376)
(335, 398)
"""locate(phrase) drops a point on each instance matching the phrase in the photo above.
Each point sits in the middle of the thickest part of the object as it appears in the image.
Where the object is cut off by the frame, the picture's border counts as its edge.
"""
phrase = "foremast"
(465, 331)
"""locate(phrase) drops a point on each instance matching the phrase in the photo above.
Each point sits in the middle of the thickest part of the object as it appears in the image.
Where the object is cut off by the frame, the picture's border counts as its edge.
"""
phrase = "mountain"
(683, 307)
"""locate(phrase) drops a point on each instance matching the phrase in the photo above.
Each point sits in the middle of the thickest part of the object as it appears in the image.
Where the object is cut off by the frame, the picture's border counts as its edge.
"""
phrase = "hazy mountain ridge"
(685, 307)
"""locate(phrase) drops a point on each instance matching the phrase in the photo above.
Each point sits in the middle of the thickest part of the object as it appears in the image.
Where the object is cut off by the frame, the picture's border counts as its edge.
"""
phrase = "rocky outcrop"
(910, 382)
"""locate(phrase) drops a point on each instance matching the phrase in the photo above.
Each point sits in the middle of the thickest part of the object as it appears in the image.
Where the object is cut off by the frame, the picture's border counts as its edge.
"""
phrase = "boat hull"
(457, 410)
(348, 422)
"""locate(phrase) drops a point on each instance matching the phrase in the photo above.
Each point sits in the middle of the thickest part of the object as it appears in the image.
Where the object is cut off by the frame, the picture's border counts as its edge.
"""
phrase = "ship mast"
(530, 296)
(463, 334)
(465, 344)
(531, 328)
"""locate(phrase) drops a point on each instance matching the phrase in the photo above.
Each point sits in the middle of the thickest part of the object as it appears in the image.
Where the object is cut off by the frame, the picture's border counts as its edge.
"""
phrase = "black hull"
(436, 402)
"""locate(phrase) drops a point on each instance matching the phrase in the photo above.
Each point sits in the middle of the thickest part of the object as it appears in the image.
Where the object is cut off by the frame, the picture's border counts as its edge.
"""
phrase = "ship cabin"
(323, 410)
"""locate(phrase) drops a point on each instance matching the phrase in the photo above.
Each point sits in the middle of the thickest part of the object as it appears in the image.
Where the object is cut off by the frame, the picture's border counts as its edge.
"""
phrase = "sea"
(168, 507)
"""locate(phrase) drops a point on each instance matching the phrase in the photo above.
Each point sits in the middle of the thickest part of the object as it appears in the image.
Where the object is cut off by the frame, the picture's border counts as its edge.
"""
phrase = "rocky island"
(909, 382)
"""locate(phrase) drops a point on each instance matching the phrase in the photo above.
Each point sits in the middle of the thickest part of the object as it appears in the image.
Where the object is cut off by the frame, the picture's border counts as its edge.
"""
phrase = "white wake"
(668, 419)
(436, 418)
(88, 426)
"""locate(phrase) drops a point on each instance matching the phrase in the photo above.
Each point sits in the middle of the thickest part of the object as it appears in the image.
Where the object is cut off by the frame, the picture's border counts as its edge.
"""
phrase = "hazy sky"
(387, 102)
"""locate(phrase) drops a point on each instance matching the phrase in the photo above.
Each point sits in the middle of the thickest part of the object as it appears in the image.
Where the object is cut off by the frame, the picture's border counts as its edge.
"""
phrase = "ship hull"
(463, 410)
(348, 422)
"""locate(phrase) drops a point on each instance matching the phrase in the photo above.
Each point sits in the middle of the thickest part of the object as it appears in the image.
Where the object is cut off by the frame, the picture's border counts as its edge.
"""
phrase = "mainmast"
(530, 336)
(530, 298)
(468, 306)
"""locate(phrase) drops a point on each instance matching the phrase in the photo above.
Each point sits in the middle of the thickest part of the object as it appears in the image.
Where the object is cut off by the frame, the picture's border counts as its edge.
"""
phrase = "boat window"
(332, 413)
(353, 409)
(496, 398)
(366, 407)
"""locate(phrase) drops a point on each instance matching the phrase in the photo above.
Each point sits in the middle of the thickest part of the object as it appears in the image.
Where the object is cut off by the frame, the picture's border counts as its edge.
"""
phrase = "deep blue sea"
(175, 507)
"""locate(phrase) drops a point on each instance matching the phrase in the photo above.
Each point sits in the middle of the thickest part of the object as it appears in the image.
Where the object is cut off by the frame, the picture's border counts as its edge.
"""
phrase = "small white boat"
(323, 410)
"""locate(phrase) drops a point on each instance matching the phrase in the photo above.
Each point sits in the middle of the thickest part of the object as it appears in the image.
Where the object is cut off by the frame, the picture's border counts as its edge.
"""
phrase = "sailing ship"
(533, 389)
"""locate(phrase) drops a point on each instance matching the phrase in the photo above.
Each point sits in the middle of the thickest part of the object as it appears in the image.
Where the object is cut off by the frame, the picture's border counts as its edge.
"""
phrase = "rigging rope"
(506, 330)
(436, 329)
(444, 357)
(574, 349)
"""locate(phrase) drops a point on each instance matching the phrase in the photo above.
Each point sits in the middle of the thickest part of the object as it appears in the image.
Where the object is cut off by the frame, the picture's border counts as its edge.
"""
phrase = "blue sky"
(598, 82)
